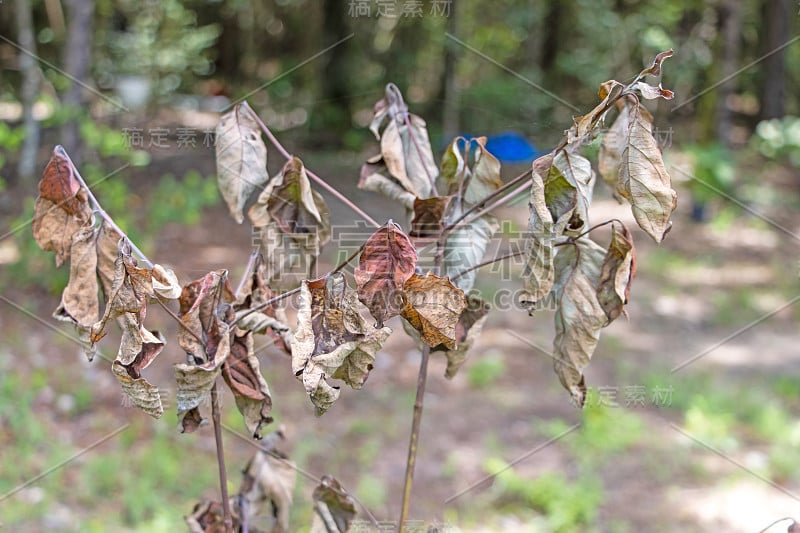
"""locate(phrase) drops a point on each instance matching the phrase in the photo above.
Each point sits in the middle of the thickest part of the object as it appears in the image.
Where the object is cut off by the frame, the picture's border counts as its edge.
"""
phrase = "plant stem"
(497, 203)
(311, 175)
(97, 207)
(488, 198)
(414, 440)
(223, 477)
(489, 262)
(246, 275)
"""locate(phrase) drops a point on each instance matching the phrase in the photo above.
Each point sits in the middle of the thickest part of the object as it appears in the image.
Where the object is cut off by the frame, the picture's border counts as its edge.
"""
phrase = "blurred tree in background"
(188, 53)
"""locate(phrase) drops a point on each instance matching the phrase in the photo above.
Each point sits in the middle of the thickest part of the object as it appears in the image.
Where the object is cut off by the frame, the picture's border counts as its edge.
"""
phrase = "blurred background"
(133, 90)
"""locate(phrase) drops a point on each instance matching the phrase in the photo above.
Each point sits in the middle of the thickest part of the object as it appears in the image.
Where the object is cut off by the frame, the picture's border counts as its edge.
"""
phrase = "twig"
(778, 522)
(171, 313)
(489, 262)
(246, 275)
(497, 203)
(223, 478)
(97, 207)
(489, 198)
(311, 175)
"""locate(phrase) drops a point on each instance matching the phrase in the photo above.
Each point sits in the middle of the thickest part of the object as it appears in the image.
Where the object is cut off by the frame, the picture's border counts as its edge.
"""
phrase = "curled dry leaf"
(387, 260)
(473, 182)
(538, 275)
(79, 304)
(200, 303)
(651, 93)
(609, 157)
(655, 68)
(62, 208)
(617, 273)
(406, 159)
(468, 329)
(165, 283)
(332, 340)
(568, 192)
(643, 179)
(428, 221)
(584, 125)
(334, 508)
(269, 478)
(208, 517)
(290, 216)
(242, 373)
(579, 316)
(433, 306)
(241, 158)
(270, 320)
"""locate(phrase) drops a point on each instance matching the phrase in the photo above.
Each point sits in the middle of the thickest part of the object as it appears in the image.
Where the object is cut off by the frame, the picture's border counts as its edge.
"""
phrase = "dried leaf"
(568, 192)
(643, 180)
(61, 187)
(611, 147)
(79, 304)
(374, 178)
(473, 182)
(206, 340)
(428, 217)
(242, 373)
(334, 508)
(617, 273)
(433, 306)
(655, 68)
(586, 123)
(290, 216)
(332, 340)
(269, 477)
(241, 158)
(405, 150)
(141, 393)
(469, 327)
(165, 283)
(538, 275)
(465, 247)
(208, 517)
(579, 316)
(270, 320)
(387, 261)
(651, 93)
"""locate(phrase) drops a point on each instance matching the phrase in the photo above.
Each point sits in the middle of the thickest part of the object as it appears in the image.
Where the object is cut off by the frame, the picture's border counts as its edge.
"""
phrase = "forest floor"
(713, 445)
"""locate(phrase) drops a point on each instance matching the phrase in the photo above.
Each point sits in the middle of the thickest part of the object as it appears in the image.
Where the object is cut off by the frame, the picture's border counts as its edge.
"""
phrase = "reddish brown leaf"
(60, 186)
(242, 373)
(386, 263)
(253, 294)
(655, 68)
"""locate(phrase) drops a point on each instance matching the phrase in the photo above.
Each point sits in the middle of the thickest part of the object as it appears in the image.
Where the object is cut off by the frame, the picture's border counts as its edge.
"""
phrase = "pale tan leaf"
(268, 484)
(165, 283)
(579, 316)
(611, 147)
(469, 327)
(466, 246)
(644, 180)
(241, 158)
(538, 275)
(373, 179)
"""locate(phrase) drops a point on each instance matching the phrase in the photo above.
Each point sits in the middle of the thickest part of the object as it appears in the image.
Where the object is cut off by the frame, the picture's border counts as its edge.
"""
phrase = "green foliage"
(713, 167)
(181, 201)
(485, 370)
(779, 139)
(10, 141)
(567, 505)
(167, 44)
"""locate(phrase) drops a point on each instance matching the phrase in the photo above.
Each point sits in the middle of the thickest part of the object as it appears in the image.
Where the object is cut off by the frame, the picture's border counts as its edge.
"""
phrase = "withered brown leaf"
(387, 261)
(433, 306)
(617, 272)
(334, 508)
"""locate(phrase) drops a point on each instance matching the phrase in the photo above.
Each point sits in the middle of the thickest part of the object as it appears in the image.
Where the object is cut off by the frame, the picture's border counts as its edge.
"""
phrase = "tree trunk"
(730, 24)
(77, 60)
(26, 166)
(775, 32)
